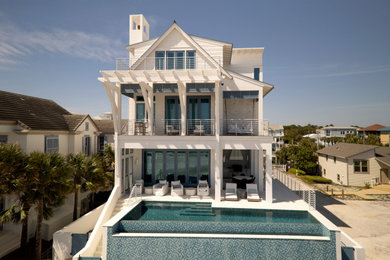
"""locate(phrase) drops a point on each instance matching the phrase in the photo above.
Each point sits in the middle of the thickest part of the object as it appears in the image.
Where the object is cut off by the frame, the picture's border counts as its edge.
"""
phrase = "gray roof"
(344, 150)
(106, 126)
(74, 120)
(383, 155)
(32, 112)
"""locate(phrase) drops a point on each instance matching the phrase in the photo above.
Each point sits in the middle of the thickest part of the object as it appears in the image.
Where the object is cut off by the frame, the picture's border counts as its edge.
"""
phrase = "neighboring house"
(106, 130)
(38, 124)
(354, 164)
(337, 131)
(277, 133)
(384, 135)
(370, 130)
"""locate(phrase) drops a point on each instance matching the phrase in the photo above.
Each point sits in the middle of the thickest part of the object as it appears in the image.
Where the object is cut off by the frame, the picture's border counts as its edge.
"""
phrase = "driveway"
(367, 222)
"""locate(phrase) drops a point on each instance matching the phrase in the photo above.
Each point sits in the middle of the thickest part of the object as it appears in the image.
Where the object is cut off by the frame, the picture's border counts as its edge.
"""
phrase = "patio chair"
(171, 130)
(177, 188)
(231, 191)
(160, 188)
(140, 186)
(252, 193)
(199, 130)
(203, 188)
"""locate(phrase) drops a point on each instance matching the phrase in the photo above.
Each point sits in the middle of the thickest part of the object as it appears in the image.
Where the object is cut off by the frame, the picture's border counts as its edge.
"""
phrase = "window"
(327, 158)
(256, 72)
(175, 60)
(51, 144)
(3, 139)
(190, 61)
(87, 145)
(360, 166)
(334, 159)
(324, 172)
(86, 126)
(338, 177)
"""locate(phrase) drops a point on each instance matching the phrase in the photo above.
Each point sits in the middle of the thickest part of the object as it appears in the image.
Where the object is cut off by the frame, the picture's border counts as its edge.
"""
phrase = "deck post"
(260, 168)
(218, 173)
(268, 173)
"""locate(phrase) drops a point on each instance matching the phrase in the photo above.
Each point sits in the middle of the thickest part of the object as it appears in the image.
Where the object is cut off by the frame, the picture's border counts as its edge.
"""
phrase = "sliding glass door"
(188, 166)
(199, 114)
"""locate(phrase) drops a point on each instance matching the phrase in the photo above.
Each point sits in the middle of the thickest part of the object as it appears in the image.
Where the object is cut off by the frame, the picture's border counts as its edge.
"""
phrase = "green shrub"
(316, 179)
(295, 171)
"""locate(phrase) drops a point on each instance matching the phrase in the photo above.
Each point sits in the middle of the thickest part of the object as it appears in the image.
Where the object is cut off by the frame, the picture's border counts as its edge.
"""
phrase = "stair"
(201, 209)
(9, 242)
(121, 204)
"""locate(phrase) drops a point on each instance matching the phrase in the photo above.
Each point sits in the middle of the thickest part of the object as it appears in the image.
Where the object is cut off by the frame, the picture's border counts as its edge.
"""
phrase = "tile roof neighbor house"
(385, 135)
(354, 164)
(198, 143)
(370, 130)
(38, 124)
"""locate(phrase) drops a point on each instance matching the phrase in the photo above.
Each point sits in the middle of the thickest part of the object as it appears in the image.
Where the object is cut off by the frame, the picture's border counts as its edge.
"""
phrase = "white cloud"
(16, 42)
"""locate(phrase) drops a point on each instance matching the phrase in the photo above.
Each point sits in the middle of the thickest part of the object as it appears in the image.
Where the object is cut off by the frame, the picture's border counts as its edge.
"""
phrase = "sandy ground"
(367, 222)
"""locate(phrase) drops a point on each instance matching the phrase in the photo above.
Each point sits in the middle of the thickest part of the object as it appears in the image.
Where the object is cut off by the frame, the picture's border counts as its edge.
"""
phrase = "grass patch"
(316, 179)
(295, 171)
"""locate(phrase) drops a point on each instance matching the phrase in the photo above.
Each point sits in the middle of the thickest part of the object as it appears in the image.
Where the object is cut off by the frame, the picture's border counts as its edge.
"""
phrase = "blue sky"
(329, 60)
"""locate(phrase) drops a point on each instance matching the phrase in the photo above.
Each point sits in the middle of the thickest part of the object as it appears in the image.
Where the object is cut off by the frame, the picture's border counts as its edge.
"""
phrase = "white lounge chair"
(161, 188)
(252, 193)
(231, 191)
(140, 186)
(203, 188)
(176, 188)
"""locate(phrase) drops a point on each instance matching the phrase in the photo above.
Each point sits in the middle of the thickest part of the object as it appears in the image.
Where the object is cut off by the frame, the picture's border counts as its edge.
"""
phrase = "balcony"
(165, 63)
(195, 127)
(170, 127)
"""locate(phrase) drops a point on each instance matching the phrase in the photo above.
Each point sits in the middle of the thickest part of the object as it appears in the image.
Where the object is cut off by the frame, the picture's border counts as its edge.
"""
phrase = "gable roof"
(344, 150)
(372, 127)
(383, 155)
(266, 86)
(32, 112)
(106, 126)
(175, 26)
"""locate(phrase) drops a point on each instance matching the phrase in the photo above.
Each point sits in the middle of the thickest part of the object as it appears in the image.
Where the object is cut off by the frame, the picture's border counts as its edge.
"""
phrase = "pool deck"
(283, 199)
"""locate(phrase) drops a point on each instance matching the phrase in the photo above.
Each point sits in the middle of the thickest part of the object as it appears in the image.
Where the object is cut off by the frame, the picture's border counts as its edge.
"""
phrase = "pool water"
(175, 211)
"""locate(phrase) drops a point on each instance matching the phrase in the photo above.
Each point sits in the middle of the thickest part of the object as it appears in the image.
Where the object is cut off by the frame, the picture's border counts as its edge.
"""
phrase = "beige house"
(355, 164)
(42, 125)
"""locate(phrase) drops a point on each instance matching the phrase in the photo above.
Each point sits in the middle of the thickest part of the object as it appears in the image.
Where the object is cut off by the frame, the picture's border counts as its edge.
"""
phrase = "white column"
(218, 173)
(268, 174)
(218, 111)
(260, 112)
(131, 109)
(151, 112)
(260, 167)
(183, 106)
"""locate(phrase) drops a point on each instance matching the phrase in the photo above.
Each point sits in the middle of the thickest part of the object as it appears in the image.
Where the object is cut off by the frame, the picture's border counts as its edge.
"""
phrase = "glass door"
(172, 116)
(181, 172)
(198, 115)
(148, 168)
(170, 165)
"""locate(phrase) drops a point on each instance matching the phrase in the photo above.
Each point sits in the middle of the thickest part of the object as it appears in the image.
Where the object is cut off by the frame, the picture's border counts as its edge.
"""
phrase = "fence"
(302, 190)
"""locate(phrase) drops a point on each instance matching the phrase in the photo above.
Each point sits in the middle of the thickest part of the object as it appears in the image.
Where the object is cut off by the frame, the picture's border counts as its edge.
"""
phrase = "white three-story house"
(194, 111)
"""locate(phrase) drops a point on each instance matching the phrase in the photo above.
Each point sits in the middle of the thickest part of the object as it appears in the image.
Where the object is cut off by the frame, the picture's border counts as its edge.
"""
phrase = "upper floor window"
(175, 60)
(51, 144)
(256, 73)
(3, 139)
(360, 166)
(86, 126)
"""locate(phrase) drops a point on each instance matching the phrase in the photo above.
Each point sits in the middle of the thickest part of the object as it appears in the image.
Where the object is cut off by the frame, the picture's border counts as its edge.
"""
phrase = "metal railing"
(251, 127)
(199, 127)
(302, 190)
(136, 192)
(165, 63)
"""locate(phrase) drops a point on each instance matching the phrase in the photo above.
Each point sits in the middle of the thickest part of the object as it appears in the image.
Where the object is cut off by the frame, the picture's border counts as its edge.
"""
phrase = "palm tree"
(78, 165)
(14, 179)
(50, 186)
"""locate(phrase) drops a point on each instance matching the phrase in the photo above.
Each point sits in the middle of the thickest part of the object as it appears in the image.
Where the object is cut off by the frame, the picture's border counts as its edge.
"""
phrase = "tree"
(80, 167)
(50, 186)
(373, 140)
(14, 179)
(353, 139)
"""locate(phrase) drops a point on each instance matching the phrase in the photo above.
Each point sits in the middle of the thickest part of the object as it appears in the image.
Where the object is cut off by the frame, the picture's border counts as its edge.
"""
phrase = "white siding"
(360, 179)
(333, 168)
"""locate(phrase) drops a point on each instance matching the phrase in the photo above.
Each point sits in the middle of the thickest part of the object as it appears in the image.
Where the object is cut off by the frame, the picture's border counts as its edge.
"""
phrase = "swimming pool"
(190, 230)
(178, 217)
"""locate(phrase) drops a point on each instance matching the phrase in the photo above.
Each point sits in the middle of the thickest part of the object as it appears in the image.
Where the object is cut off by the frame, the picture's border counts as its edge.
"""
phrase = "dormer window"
(175, 60)
(86, 126)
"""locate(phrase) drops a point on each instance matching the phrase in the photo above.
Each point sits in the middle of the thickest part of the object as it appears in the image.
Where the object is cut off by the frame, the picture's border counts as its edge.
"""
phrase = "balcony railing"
(197, 127)
(242, 127)
(165, 63)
